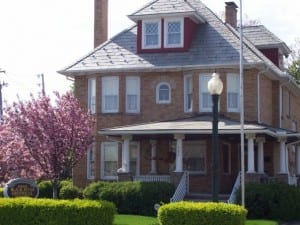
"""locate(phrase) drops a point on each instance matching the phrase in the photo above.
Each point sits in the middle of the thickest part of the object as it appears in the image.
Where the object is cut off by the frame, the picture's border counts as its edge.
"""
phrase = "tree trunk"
(55, 184)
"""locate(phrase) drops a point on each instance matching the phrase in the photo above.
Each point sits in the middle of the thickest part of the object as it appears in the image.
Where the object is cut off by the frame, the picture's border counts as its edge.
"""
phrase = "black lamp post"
(215, 88)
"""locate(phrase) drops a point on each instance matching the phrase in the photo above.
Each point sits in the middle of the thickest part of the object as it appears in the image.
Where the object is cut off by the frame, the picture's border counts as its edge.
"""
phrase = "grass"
(134, 220)
(144, 220)
(261, 222)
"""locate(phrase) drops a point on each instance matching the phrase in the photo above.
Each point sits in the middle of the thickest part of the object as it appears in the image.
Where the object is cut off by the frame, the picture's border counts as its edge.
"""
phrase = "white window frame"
(106, 86)
(92, 95)
(233, 90)
(166, 33)
(188, 93)
(144, 24)
(115, 145)
(91, 160)
(196, 144)
(133, 91)
(158, 100)
(203, 89)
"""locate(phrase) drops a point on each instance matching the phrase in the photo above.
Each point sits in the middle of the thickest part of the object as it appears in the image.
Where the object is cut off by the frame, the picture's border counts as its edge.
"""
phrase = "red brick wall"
(151, 111)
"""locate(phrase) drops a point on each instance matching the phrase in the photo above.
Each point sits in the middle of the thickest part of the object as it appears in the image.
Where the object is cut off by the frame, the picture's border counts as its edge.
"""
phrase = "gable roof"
(262, 38)
(215, 45)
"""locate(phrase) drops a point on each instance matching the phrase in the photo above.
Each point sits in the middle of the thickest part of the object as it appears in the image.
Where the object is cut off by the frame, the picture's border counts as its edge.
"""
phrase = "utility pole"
(41, 76)
(2, 84)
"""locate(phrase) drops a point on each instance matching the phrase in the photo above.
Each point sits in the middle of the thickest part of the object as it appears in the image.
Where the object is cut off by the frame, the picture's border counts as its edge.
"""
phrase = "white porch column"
(126, 153)
(179, 155)
(251, 168)
(260, 166)
(153, 156)
(282, 156)
(298, 160)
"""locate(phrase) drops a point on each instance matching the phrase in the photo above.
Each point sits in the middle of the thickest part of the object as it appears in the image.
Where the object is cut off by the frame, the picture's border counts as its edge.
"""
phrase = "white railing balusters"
(153, 178)
(236, 186)
(182, 188)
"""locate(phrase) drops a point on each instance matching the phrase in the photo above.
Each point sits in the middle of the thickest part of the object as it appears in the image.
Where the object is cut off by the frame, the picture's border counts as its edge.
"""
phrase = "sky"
(44, 36)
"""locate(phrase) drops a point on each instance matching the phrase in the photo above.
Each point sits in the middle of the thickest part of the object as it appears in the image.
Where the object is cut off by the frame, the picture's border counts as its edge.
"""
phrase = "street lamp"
(215, 88)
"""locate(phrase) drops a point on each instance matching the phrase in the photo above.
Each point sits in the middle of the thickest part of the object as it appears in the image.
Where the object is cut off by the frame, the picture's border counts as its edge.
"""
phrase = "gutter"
(151, 68)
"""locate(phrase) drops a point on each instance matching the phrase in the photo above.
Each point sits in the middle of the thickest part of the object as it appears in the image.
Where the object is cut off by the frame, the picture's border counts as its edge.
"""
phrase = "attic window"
(173, 33)
(151, 34)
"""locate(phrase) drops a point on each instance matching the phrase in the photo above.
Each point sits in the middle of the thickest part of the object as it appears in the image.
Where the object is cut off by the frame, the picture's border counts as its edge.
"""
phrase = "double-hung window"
(233, 87)
(205, 98)
(163, 93)
(92, 95)
(132, 94)
(109, 160)
(151, 34)
(91, 162)
(194, 156)
(173, 32)
(110, 94)
(188, 93)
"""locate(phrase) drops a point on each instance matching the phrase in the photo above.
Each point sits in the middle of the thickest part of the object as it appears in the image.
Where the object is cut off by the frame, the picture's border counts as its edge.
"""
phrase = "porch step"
(204, 197)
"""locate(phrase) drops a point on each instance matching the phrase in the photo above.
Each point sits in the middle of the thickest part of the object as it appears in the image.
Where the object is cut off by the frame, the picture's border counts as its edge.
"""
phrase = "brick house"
(147, 87)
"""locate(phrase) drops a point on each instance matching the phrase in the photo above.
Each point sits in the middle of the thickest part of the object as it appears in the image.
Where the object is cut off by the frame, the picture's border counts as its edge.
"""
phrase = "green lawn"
(134, 220)
(144, 220)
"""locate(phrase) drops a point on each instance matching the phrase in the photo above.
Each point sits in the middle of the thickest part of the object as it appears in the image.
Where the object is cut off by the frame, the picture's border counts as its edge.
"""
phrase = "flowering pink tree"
(55, 136)
(15, 160)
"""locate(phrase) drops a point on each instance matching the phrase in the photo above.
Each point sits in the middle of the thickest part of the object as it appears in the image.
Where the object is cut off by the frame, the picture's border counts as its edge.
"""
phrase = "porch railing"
(153, 178)
(182, 188)
(236, 186)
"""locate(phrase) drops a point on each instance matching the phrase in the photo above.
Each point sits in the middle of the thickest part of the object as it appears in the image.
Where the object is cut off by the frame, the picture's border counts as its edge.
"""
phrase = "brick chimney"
(231, 14)
(100, 22)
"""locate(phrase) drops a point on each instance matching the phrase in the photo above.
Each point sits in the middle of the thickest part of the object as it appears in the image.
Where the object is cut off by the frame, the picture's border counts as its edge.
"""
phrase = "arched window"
(163, 93)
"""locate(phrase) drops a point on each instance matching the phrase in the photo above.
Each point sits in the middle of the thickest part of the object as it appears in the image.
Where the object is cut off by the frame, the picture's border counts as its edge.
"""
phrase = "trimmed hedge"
(276, 201)
(32, 211)
(131, 197)
(195, 213)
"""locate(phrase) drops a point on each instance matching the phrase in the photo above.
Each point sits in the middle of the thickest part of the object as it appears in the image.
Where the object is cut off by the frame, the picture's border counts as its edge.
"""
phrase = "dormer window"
(173, 33)
(151, 34)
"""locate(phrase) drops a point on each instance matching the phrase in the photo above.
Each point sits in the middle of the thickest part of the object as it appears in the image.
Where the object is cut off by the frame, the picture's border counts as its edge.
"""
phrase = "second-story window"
(110, 94)
(132, 94)
(92, 95)
(91, 162)
(188, 93)
(205, 98)
(233, 87)
(173, 33)
(151, 34)
(163, 93)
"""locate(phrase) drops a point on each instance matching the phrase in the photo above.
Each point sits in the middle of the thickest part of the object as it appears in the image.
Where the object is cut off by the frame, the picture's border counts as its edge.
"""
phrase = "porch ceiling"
(198, 125)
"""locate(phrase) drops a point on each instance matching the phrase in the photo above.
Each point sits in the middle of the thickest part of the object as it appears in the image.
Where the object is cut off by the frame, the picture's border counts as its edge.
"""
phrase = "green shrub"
(195, 213)
(31, 211)
(66, 190)
(1, 192)
(92, 191)
(45, 189)
(131, 197)
(69, 192)
(276, 201)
